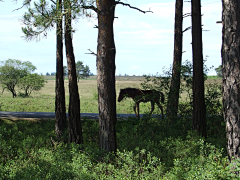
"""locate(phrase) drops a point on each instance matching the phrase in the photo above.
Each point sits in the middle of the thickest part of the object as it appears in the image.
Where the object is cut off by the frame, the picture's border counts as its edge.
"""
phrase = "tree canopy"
(12, 71)
(15, 72)
(82, 71)
(43, 15)
(31, 82)
(219, 71)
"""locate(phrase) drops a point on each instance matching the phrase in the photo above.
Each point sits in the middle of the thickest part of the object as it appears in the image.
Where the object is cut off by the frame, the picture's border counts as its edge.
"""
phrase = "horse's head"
(121, 95)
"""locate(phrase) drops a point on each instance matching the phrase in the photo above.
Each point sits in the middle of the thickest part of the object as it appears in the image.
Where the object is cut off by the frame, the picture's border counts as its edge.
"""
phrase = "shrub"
(148, 148)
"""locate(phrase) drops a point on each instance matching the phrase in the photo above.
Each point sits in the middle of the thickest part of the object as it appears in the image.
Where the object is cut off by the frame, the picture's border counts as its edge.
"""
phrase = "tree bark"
(199, 109)
(106, 75)
(13, 92)
(231, 75)
(74, 122)
(60, 107)
(173, 96)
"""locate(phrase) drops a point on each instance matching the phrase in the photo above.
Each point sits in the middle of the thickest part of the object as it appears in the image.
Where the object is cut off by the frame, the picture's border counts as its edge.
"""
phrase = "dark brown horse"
(142, 96)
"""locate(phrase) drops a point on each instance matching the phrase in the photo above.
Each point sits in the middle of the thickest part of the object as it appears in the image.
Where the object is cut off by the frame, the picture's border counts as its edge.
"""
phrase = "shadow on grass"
(27, 148)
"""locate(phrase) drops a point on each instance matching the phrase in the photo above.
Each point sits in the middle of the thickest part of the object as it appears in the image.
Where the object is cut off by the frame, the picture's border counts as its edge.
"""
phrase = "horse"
(139, 95)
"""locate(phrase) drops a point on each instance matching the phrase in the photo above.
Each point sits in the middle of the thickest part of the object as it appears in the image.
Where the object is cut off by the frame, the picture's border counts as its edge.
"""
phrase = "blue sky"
(144, 42)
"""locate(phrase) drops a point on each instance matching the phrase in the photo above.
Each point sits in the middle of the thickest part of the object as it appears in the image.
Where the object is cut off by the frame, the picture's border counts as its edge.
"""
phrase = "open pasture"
(44, 100)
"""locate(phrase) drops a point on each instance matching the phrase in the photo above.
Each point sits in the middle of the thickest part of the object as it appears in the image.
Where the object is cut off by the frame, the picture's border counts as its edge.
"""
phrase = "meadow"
(148, 148)
(44, 100)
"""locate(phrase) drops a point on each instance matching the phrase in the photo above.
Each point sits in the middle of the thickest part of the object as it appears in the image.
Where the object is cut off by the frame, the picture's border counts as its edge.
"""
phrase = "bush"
(213, 95)
(212, 91)
(12, 71)
(148, 148)
(219, 71)
(30, 83)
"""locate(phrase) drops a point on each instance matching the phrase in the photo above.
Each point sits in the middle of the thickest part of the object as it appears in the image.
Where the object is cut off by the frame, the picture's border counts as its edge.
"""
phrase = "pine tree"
(199, 108)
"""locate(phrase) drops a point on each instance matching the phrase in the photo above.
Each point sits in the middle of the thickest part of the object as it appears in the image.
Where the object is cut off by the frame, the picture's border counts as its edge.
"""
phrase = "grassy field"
(148, 148)
(44, 100)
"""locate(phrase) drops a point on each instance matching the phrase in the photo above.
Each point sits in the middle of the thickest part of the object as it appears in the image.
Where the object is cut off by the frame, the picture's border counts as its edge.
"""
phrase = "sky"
(144, 42)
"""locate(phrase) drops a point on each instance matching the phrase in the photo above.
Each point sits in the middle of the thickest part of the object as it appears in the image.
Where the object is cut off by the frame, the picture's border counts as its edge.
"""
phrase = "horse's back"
(139, 95)
(153, 95)
(152, 92)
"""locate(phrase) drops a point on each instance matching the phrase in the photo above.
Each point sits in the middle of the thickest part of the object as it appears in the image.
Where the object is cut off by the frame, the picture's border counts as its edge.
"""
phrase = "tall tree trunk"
(231, 75)
(74, 122)
(60, 107)
(106, 75)
(173, 96)
(199, 109)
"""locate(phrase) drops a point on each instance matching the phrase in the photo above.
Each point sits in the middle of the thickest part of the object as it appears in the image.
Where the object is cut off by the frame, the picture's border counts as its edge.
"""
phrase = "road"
(5, 114)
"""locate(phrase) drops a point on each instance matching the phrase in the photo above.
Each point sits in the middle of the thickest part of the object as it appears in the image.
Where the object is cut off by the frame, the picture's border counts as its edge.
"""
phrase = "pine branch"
(53, 2)
(30, 34)
(187, 15)
(190, 27)
(90, 7)
(83, 6)
(25, 4)
(132, 7)
(91, 52)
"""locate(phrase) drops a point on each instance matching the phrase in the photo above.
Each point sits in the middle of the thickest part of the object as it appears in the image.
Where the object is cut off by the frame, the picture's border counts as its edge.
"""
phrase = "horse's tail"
(162, 97)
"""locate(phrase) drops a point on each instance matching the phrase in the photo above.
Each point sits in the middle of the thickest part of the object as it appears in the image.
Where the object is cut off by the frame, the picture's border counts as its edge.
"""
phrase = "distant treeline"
(54, 73)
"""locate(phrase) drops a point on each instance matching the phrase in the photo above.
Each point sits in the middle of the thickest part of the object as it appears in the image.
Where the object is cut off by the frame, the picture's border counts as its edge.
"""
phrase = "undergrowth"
(147, 149)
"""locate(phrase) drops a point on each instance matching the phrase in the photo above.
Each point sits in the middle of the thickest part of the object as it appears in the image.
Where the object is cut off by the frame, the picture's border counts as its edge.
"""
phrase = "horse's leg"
(138, 116)
(161, 108)
(134, 108)
(152, 106)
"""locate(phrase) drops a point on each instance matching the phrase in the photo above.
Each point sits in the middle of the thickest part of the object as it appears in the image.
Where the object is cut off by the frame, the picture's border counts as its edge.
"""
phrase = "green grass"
(147, 149)
(44, 100)
(214, 77)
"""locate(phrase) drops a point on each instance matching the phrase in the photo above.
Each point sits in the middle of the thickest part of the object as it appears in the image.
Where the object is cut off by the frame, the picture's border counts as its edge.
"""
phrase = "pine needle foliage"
(42, 16)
